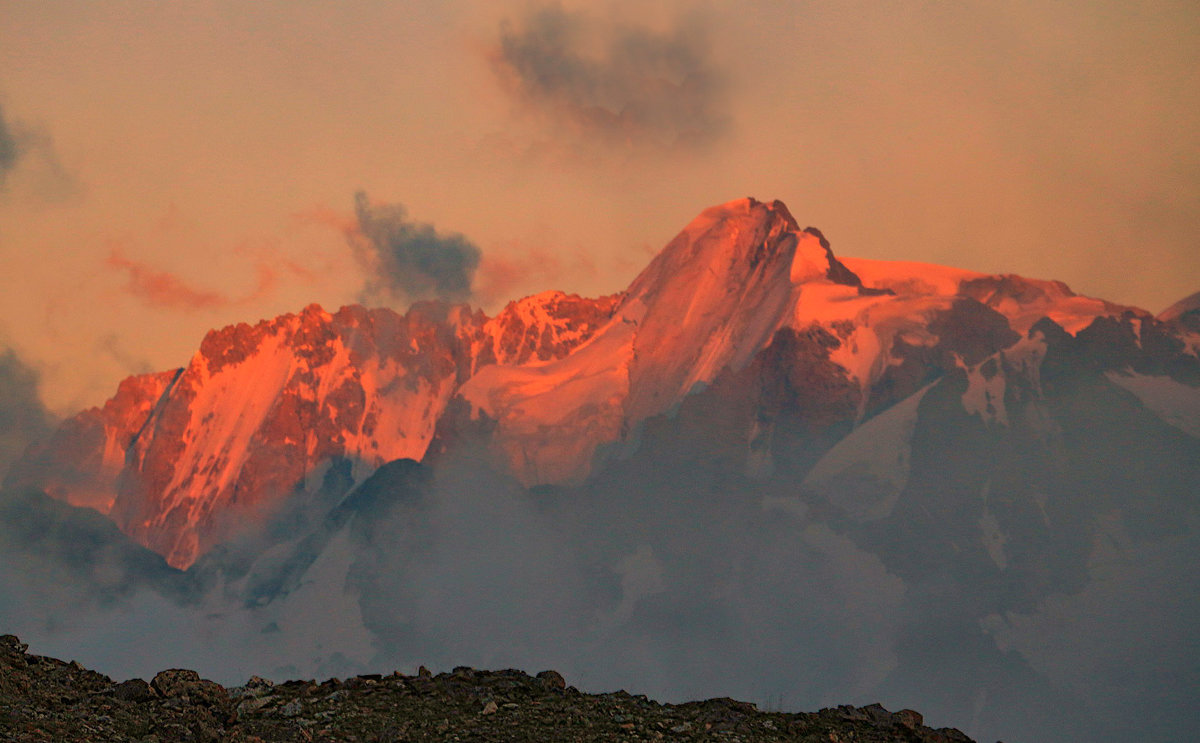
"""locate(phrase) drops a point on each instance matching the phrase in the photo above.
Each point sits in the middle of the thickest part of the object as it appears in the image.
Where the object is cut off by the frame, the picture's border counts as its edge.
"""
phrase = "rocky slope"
(46, 700)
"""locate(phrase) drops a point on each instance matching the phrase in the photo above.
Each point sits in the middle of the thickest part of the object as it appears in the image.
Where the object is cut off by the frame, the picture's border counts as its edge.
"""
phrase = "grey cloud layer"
(624, 83)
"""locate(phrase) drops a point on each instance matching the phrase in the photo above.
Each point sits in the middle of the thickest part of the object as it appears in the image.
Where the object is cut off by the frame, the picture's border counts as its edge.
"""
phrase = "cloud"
(8, 149)
(32, 149)
(111, 346)
(23, 417)
(165, 290)
(407, 259)
(629, 86)
(519, 271)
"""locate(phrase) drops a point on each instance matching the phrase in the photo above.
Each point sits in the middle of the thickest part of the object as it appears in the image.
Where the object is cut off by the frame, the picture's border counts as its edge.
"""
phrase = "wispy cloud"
(516, 271)
(393, 257)
(163, 289)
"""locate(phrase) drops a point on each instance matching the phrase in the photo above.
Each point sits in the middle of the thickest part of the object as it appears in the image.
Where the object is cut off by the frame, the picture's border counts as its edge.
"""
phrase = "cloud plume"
(627, 85)
(407, 259)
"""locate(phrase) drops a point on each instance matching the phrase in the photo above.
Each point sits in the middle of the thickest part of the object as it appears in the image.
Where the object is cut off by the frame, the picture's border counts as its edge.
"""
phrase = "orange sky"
(174, 168)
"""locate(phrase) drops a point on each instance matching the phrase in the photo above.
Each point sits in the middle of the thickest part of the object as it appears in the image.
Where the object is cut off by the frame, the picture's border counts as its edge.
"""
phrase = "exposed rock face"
(543, 327)
(260, 406)
(45, 699)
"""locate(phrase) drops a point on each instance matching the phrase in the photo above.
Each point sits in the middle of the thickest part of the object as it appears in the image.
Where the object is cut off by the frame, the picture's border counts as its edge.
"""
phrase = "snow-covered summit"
(713, 298)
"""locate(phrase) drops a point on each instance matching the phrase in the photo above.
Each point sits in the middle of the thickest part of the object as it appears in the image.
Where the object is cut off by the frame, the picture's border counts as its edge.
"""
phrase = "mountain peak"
(750, 206)
(738, 245)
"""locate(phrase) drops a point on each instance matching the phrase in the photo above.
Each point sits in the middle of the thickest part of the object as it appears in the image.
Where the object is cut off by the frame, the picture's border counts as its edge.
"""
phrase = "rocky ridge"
(45, 699)
(175, 457)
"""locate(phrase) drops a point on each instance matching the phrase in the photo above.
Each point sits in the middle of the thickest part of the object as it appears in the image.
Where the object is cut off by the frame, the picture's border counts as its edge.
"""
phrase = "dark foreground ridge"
(44, 699)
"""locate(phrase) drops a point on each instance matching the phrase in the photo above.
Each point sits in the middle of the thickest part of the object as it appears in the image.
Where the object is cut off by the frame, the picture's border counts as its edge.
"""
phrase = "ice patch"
(864, 473)
(993, 538)
(1174, 402)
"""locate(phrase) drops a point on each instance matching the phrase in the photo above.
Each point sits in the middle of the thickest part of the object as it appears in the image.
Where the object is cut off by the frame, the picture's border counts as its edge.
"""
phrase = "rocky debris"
(43, 699)
(552, 680)
(178, 683)
(134, 690)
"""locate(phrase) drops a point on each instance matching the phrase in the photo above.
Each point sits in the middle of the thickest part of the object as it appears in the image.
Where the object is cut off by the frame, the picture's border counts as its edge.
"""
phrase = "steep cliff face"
(539, 328)
(259, 407)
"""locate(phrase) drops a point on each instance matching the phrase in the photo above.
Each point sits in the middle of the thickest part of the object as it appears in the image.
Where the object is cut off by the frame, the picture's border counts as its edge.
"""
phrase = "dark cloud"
(23, 418)
(410, 260)
(32, 149)
(8, 148)
(628, 85)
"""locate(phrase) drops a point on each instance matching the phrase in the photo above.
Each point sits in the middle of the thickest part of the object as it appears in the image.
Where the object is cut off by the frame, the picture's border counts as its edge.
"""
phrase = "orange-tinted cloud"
(163, 289)
(508, 276)
(324, 216)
